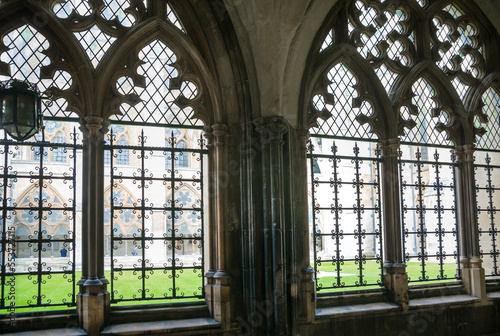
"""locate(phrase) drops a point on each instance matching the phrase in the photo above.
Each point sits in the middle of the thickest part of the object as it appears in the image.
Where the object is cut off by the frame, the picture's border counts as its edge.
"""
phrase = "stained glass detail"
(127, 217)
(344, 111)
(491, 108)
(28, 218)
(173, 18)
(59, 153)
(95, 43)
(157, 99)
(424, 100)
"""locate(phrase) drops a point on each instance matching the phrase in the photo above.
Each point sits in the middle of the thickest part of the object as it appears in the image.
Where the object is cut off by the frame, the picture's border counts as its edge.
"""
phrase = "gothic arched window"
(382, 84)
(42, 177)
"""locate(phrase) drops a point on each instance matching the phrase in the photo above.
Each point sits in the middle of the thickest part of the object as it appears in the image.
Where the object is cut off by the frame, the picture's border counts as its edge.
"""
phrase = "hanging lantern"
(20, 106)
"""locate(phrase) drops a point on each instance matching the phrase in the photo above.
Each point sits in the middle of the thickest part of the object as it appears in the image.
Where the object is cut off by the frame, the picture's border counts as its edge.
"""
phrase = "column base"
(93, 308)
(396, 283)
(308, 294)
(221, 299)
(473, 277)
(209, 291)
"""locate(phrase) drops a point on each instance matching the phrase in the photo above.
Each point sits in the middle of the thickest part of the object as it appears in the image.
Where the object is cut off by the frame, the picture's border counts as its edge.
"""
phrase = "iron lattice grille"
(345, 213)
(39, 199)
(487, 176)
(156, 231)
(429, 220)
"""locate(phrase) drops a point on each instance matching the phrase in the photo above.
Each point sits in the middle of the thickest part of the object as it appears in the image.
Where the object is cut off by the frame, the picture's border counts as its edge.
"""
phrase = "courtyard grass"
(57, 288)
(349, 275)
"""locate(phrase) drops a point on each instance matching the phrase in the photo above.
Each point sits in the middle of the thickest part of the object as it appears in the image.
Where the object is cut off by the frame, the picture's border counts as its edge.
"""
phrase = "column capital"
(464, 153)
(207, 133)
(390, 146)
(220, 133)
(94, 127)
(271, 129)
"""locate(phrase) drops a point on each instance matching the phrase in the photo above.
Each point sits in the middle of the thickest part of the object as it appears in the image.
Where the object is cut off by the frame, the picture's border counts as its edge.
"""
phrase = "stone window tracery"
(383, 74)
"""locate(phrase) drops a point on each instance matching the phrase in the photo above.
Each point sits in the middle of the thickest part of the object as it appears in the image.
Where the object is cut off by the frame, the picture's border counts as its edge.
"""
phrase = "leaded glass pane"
(424, 100)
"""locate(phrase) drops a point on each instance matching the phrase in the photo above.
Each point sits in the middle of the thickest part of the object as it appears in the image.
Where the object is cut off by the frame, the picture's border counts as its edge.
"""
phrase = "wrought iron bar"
(172, 209)
(40, 272)
(490, 189)
(338, 234)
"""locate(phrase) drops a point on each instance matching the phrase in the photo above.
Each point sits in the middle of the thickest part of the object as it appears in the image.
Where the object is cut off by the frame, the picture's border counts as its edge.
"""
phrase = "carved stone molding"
(271, 129)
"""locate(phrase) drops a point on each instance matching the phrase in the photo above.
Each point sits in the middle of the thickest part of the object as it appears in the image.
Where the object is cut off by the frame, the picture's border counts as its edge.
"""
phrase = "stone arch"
(369, 86)
(27, 210)
(129, 199)
(123, 60)
(64, 52)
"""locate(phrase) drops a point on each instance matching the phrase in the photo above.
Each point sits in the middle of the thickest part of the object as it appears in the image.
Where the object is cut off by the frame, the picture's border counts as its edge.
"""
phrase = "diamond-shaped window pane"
(173, 18)
(95, 43)
(387, 77)
(460, 87)
(25, 58)
(65, 8)
(328, 40)
(425, 131)
(112, 9)
(370, 47)
(343, 122)
(491, 107)
(454, 11)
(117, 9)
(157, 99)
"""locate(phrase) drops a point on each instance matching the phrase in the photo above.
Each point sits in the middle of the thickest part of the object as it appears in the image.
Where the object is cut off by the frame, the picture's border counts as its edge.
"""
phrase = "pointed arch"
(123, 61)
(64, 52)
(370, 89)
(28, 214)
(447, 99)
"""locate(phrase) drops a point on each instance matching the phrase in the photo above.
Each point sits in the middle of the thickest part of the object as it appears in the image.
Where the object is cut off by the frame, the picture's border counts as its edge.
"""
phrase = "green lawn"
(58, 289)
(160, 284)
(371, 274)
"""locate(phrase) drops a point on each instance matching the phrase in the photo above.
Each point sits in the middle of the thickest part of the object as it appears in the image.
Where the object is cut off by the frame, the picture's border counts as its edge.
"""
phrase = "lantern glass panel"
(8, 109)
(26, 113)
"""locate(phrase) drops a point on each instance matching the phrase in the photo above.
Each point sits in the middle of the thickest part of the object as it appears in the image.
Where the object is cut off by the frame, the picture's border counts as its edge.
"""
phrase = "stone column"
(307, 284)
(271, 131)
(93, 298)
(468, 237)
(395, 277)
(211, 263)
(221, 280)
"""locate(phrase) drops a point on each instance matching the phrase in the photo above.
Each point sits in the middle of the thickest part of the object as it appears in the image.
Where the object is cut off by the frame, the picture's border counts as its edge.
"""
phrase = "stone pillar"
(307, 284)
(93, 299)
(473, 275)
(221, 280)
(395, 277)
(211, 263)
(271, 131)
